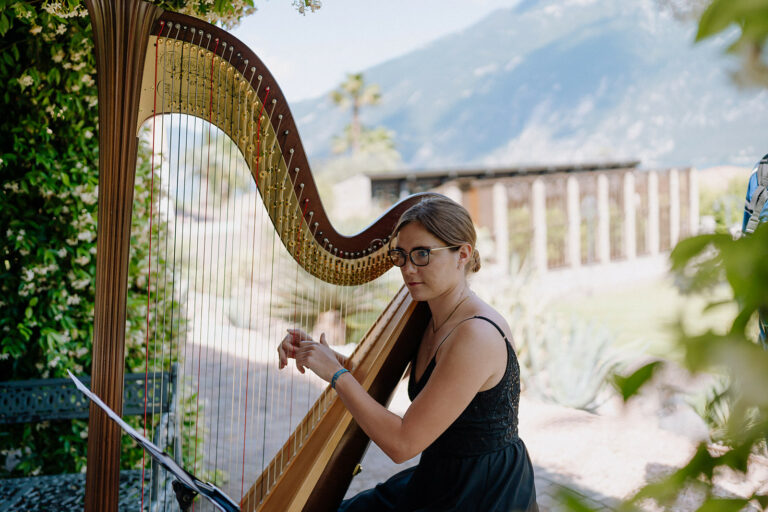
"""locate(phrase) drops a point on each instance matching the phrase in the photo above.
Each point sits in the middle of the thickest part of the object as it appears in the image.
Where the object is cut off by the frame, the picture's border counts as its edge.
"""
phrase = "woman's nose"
(409, 267)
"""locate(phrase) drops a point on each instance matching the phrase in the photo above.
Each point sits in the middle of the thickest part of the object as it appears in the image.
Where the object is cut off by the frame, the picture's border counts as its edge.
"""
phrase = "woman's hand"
(318, 357)
(290, 344)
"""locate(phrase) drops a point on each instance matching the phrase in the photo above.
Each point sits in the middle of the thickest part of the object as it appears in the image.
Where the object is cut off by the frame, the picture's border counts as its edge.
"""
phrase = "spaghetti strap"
(493, 324)
(470, 318)
(449, 333)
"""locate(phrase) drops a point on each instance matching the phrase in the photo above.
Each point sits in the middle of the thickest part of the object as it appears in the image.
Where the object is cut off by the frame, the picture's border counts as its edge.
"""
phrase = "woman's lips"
(414, 283)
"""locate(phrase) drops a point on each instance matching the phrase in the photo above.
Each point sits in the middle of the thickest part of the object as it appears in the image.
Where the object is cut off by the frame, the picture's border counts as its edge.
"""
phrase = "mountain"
(560, 81)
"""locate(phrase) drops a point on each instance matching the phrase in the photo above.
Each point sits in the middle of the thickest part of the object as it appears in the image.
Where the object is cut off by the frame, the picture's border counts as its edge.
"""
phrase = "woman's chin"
(418, 293)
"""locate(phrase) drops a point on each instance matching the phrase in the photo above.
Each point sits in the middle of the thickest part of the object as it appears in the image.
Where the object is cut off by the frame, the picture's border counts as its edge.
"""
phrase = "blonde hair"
(447, 220)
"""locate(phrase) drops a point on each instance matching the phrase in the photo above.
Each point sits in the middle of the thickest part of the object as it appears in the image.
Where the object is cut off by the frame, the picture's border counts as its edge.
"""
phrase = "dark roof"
(497, 172)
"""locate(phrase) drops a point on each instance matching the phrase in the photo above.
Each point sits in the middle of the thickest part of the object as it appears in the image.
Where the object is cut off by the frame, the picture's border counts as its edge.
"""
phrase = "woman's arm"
(467, 361)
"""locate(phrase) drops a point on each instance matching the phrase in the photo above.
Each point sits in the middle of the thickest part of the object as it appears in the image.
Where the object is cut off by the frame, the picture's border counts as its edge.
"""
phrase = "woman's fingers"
(287, 349)
(297, 336)
(322, 340)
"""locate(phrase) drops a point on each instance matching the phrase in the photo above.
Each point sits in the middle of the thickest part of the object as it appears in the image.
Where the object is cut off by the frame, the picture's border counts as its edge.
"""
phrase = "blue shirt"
(751, 187)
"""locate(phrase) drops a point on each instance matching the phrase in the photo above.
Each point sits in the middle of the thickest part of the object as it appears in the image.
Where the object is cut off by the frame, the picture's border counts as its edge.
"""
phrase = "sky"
(310, 55)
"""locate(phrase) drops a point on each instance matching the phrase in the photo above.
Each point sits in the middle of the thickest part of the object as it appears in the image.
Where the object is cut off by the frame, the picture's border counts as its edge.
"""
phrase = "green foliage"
(726, 207)
(750, 18)
(738, 406)
(629, 385)
(713, 405)
(355, 94)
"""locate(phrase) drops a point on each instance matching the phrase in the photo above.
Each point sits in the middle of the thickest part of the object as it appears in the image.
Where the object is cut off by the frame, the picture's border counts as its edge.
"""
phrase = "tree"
(355, 93)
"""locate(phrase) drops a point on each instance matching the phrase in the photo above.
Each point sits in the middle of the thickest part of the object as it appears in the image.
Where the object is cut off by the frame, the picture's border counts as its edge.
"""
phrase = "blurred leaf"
(629, 386)
(723, 505)
(722, 13)
(573, 501)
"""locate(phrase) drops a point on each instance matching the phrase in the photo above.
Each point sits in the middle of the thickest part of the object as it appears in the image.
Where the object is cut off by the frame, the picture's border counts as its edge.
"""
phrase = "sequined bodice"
(489, 422)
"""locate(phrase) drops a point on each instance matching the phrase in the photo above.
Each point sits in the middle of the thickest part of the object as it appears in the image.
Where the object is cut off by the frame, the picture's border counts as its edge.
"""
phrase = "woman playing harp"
(464, 382)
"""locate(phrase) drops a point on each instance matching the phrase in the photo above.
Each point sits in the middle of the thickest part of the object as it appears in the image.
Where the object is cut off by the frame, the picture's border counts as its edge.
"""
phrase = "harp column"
(120, 33)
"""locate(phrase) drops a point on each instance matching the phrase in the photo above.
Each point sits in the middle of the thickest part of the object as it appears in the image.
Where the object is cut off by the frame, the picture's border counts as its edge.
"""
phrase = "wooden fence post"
(630, 235)
(603, 220)
(674, 207)
(653, 212)
(539, 224)
(573, 250)
(501, 226)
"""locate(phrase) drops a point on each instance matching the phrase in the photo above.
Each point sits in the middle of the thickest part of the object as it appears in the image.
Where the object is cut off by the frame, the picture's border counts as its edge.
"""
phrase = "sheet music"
(210, 491)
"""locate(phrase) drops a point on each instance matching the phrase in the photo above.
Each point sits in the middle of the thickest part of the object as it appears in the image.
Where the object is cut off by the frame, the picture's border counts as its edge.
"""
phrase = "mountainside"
(559, 81)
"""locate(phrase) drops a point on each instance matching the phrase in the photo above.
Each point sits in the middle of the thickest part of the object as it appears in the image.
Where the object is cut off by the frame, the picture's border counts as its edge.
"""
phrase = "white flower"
(88, 134)
(54, 362)
(35, 30)
(24, 252)
(58, 57)
(86, 236)
(48, 131)
(73, 300)
(83, 260)
(81, 284)
(25, 81)
(61, 252)
(4, 356)
(87, 80)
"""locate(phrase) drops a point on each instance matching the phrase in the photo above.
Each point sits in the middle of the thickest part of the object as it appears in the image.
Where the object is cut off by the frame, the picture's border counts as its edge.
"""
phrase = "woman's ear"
(465, 253)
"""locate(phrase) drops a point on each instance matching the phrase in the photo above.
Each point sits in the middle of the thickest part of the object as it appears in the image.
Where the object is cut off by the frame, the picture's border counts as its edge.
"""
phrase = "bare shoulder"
(475, 338)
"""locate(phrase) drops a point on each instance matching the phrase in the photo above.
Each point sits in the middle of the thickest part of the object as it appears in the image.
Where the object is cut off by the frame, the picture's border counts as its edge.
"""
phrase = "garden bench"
(34, 401)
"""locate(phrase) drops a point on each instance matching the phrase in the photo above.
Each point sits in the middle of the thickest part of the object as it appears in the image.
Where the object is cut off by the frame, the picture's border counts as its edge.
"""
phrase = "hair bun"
(474, 263)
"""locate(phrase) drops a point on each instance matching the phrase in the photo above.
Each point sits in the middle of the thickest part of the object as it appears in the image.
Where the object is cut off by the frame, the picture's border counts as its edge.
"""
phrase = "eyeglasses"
(419, 256)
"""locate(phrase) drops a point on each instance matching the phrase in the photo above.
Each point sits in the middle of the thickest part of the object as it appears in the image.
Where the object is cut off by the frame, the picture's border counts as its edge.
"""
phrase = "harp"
(154, 64)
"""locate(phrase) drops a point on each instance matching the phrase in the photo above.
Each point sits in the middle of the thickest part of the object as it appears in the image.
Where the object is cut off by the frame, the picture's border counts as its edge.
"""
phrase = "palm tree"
(356, 93)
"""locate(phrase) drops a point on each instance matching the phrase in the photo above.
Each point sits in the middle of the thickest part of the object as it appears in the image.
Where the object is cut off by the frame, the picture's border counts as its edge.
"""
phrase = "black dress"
(478, 464)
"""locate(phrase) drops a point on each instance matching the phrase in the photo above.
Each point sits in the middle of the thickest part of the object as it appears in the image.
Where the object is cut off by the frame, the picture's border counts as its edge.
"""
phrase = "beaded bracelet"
(337, 375)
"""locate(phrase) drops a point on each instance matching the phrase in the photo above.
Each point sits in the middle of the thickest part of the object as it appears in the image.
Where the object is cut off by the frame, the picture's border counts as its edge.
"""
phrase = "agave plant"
(343, 313)
(571, 363)
(564, 360)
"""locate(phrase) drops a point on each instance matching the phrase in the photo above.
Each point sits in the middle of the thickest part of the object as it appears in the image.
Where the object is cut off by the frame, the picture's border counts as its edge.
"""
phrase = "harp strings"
(234, 412)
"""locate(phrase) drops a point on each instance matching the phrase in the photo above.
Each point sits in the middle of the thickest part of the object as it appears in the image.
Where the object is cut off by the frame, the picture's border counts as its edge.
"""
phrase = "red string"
(149, 279)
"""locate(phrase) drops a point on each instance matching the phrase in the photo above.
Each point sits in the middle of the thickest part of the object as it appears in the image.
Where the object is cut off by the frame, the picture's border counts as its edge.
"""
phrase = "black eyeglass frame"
(403, 254)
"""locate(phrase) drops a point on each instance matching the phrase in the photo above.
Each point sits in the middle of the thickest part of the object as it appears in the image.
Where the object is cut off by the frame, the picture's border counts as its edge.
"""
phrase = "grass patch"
(643, 315)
